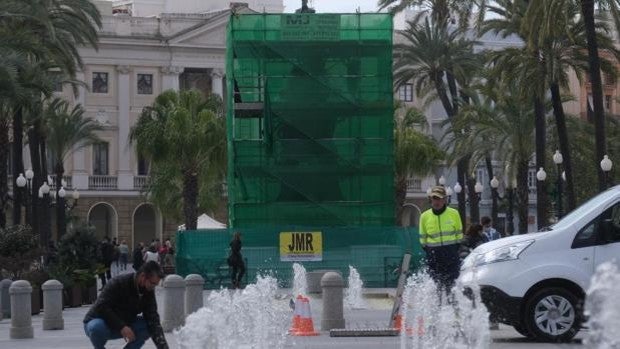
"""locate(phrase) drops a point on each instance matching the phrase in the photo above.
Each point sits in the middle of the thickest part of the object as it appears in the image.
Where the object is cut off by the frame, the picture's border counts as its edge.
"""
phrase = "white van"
(537, 282)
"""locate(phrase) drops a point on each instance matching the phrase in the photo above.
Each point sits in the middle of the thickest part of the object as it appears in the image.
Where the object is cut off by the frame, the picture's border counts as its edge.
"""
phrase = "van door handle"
(586, 258)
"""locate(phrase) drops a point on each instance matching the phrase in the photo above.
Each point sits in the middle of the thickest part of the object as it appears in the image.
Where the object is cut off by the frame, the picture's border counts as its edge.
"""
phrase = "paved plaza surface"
(377, 316)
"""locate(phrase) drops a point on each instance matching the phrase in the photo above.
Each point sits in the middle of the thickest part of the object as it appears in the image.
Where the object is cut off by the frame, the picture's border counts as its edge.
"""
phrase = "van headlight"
(502, 254)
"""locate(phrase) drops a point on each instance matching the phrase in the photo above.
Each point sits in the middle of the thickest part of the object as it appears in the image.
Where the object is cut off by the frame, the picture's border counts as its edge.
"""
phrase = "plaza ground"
(380, 303)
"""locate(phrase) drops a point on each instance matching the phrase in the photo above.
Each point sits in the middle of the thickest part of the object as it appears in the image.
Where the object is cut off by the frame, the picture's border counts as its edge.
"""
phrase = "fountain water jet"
(249, 318)
(353, 298)
(431, 321)
(300, 285)
(602, 308)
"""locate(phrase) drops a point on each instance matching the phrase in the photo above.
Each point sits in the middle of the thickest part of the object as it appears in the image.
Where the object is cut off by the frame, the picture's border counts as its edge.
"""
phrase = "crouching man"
(115, 314)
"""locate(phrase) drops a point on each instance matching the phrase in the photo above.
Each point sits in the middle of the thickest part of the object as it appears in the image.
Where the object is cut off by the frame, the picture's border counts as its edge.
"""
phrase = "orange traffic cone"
(296, 324)
(306, 325)
(398, 325)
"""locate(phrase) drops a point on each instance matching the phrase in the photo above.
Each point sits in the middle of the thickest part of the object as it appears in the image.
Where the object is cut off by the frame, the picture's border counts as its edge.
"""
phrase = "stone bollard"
(194, 284)
(6, 299)
(52, 305)
(174, 297)
(332, 285)
(21, 310)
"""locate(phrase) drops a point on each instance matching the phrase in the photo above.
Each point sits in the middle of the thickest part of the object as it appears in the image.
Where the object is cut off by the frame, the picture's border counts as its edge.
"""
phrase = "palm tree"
(503, 125)
(531, 75)
(68, 130)
(437, 60)
(39, 31)
(563, 41)
(183, 136)
(414, 154)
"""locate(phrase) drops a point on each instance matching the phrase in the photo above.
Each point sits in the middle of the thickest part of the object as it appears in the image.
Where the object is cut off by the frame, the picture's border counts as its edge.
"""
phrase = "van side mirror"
(607, 231)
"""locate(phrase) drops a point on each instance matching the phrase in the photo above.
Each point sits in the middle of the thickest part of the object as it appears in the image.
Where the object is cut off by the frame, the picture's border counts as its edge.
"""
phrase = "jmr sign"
(310, 27)
(301, 246)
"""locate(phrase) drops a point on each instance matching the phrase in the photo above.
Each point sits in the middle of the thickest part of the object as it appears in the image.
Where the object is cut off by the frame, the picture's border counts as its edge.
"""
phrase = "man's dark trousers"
(99, 333)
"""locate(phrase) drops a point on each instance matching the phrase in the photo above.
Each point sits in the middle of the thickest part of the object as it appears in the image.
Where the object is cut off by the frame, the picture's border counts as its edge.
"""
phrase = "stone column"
(6, 299)
(194, 284)
(216, 82)
(125, 173)
(170, 77)
(52, 305)
(21, 312)
(332, 285)
(174, 296)
(79, 175)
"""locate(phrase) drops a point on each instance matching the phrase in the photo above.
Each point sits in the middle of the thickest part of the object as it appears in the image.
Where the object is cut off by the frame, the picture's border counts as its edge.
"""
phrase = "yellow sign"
(301, 246)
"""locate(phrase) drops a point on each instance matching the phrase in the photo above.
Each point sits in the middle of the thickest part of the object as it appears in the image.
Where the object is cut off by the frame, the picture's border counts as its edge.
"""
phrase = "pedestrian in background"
(441, 232)
(124, 254)
(138, 256)
(235, 260)
(474, 237)
(488, 229)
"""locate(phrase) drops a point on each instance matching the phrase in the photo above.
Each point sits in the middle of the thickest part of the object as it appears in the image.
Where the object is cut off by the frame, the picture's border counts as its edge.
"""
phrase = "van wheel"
(553, 315)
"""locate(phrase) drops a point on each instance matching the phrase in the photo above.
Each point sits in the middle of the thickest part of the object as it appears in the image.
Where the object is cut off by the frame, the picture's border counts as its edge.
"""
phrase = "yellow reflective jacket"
(440, 230)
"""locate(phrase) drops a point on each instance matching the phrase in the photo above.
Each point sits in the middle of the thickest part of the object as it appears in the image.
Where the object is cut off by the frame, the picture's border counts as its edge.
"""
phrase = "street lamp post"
(25, 184)
(449, 192)
(442, 181)
(558, 159)
(45, 226)
(606, 166)
(478, 188)
(541, 218)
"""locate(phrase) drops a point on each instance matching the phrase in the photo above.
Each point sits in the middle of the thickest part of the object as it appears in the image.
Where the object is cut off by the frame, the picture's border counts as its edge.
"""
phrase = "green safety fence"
(310, 120)
(376, 252)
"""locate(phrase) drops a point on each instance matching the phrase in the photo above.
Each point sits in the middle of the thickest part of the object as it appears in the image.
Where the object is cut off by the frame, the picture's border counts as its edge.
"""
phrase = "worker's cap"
(438, 192)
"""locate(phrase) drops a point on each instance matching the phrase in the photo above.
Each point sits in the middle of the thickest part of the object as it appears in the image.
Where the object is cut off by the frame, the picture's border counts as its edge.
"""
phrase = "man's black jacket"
(120, 302)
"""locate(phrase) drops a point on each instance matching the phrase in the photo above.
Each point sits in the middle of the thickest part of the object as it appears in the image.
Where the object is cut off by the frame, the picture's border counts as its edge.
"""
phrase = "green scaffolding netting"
(310, 120)
(375, 252)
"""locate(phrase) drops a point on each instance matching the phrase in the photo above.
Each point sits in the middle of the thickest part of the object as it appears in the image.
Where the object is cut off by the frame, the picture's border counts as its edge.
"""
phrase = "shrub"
(19, 249)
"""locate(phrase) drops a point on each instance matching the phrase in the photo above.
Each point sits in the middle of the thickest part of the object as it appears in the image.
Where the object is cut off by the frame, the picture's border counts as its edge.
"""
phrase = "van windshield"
(575, 215)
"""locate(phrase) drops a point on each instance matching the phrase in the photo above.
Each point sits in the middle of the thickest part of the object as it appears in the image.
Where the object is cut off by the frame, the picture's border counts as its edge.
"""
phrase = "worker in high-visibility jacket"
(441, 232)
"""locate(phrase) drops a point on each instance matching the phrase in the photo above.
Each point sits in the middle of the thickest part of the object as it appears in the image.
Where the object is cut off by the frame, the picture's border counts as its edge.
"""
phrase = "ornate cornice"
(123, 69)
(217, 73)
(172, 70)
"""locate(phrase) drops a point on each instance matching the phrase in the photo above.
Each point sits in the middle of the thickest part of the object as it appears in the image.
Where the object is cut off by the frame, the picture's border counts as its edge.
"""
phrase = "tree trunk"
(4, 170)
(474, 201)
(510, 213)
(494, 209)
(37, 180)
(522, 195)
(190, 198)
(18, 163)
(560, 121)
(541, 186)
(401, 195)
(587, 11)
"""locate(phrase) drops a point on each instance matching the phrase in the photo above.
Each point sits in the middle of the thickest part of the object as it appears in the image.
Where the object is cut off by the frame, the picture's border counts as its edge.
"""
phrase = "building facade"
(138, 57)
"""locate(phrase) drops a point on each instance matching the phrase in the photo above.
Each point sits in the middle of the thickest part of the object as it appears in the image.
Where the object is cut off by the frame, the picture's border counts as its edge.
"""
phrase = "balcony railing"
(414, 185)
(99, 182)
(140, 182)
(67, 179)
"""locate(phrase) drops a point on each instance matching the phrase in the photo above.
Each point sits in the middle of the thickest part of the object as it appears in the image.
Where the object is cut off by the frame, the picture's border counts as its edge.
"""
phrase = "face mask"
(487, 229)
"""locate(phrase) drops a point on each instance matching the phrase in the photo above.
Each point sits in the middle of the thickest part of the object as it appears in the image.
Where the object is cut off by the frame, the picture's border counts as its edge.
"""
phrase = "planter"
(36, 300)
(72, 297)
(89, 294)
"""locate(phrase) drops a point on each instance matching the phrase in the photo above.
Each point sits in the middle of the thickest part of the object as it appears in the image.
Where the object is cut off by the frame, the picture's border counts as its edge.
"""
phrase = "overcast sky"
(326, 6)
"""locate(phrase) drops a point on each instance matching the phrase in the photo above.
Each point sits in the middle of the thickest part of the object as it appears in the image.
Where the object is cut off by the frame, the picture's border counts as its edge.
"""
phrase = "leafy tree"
(414, 154)
(68, 130)
(183, 135)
